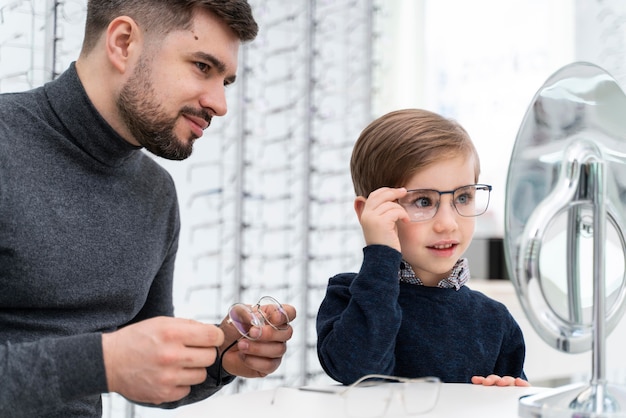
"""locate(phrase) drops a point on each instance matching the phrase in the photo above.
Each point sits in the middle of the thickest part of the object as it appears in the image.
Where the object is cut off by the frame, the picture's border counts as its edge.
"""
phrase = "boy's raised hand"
(378, 215)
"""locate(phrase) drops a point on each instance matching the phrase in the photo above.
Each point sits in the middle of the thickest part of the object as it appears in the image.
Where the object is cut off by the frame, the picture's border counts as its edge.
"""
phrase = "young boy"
(408, 312)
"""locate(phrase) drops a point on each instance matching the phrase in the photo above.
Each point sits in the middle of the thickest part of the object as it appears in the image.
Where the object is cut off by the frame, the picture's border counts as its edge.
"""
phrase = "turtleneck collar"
(93, 134)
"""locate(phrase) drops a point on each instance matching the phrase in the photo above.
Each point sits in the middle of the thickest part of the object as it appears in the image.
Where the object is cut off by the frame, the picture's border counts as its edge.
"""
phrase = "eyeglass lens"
(371, 399)
(272, 312)
(244, 319)
(267, 310)
(368, 401)
(468, 201)
(421, 396)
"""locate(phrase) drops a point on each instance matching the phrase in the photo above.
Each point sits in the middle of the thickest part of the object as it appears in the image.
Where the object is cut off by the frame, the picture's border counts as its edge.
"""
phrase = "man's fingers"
(191, 376)
(195, 357)
(196, 334)
(266, 349)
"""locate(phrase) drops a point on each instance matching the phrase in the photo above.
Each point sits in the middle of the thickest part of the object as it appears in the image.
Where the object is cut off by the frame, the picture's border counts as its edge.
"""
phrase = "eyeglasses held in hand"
(371, 395)
(469, 201)
(247, 318)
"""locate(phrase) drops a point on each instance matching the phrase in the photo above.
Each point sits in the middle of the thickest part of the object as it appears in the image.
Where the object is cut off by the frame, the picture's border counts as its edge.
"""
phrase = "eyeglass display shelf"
(455, 400)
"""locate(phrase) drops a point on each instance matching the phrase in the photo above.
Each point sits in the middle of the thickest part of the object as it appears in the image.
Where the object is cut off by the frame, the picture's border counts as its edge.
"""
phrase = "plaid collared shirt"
(458, 277)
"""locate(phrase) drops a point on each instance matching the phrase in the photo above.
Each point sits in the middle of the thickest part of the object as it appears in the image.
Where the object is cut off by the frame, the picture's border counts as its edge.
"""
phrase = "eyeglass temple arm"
(220, 359)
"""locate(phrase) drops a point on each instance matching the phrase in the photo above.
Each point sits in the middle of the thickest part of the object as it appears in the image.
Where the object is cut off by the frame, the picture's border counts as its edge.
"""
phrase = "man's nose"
(214, 99)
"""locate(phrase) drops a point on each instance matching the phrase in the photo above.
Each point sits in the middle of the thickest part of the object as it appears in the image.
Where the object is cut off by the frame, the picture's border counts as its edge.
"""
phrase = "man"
(89, 223)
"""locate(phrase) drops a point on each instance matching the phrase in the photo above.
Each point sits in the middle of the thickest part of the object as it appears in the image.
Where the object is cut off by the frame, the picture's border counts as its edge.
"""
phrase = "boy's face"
(432, 247)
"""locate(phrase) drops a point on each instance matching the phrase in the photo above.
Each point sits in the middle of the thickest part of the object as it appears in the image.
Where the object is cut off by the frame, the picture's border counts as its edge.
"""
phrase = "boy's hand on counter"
(495, 380)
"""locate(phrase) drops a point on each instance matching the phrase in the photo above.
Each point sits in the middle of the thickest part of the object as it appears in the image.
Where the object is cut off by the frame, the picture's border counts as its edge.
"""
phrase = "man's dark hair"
(163, 16)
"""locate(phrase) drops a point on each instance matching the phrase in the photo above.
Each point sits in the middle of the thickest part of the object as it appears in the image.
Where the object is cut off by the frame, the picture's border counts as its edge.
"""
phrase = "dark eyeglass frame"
(407, 205)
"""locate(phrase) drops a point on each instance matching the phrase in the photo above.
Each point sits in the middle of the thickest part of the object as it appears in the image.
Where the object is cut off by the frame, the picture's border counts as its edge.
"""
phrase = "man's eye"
(203, 67)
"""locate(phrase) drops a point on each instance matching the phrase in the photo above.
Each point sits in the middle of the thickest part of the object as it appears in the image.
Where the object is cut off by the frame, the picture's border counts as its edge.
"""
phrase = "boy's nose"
(446, 216)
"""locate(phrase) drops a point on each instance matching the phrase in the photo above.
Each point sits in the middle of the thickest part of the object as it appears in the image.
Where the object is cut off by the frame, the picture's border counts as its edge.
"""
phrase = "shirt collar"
(457, 278)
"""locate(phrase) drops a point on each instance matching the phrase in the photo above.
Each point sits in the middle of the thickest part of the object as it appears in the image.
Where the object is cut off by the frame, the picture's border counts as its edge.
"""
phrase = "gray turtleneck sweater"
(89, 230)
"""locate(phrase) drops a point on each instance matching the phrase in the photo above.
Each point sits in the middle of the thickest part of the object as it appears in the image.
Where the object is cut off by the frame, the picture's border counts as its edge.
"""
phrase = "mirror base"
(578, 400)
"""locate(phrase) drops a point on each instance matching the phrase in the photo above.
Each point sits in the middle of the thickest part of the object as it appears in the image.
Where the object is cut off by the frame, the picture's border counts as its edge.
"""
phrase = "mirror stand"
(578, 400)
(598, 398)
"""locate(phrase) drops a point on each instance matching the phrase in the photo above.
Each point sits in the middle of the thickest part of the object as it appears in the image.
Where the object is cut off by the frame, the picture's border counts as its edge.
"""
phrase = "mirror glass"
(580, 102)
(575, 304)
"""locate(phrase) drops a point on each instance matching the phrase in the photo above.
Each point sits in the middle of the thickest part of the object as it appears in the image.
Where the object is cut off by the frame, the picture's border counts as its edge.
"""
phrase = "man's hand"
(495, 380)
(157, 360)
(378, 215)
(260, 357)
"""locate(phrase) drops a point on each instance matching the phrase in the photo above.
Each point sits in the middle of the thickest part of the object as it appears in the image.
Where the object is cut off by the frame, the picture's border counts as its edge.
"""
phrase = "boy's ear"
(359, 205)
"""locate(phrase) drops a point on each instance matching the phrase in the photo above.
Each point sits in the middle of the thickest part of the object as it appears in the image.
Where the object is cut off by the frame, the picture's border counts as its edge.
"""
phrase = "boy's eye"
(464, 199)
(423, 202)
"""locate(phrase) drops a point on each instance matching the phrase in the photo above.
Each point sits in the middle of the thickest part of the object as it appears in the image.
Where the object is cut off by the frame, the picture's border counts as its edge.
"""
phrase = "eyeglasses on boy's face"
(422, 204)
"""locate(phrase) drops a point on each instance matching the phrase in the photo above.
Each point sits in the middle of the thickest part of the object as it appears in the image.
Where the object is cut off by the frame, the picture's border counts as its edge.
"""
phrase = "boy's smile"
(443, 249)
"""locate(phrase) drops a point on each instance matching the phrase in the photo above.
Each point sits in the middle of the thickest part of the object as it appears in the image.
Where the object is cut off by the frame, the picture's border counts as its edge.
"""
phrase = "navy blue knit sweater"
(371, 323)
(89, 229)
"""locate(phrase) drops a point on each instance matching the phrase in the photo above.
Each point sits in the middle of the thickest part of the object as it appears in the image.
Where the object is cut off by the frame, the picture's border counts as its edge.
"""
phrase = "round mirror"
(575, 123)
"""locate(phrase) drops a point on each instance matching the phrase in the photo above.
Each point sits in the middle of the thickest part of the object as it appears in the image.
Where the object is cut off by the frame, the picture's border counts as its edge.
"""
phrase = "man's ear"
(359, 205)
(123, 41)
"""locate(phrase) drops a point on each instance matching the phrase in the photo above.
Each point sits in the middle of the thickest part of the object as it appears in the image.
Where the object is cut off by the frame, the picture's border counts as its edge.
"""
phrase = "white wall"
(480, 62)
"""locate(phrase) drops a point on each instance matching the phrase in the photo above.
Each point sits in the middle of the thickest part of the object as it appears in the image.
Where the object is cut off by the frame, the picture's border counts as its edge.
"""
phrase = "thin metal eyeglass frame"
(252, 310)
(378, 379)
(477, 187)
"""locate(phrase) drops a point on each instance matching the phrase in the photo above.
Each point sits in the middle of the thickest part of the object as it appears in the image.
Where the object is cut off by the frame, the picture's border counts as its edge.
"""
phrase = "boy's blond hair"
(392, 148)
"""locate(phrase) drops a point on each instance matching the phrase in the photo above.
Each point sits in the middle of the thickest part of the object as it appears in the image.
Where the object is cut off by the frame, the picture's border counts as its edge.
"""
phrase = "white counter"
(455, 400)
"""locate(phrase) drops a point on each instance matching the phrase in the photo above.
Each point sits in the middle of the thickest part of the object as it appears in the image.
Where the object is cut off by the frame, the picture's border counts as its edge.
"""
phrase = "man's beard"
(146, 120)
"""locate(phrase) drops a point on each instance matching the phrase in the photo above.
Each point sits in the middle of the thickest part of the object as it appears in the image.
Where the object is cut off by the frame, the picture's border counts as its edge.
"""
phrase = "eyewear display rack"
(266, 198)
